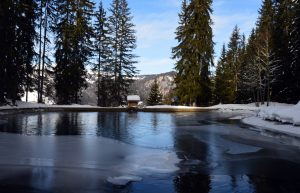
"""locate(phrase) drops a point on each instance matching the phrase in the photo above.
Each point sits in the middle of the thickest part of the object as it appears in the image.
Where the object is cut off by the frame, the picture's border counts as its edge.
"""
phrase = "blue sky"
(156, 21)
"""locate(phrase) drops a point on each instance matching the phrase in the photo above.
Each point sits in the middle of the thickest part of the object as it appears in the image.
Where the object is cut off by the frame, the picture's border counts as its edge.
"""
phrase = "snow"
(170, 107)
(24, 105)
(261, 124)
(32, 97)
(33, 105)
(123, 180)
(133, 98)
(284, 114)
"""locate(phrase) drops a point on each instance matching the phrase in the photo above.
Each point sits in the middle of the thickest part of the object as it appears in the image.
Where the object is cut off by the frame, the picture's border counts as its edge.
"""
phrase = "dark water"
(65, 152)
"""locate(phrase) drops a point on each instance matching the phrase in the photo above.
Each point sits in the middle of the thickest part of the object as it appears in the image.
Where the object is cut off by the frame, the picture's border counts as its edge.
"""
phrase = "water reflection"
(192, 183)
(215, 156)
(68, 124)
(222, 157)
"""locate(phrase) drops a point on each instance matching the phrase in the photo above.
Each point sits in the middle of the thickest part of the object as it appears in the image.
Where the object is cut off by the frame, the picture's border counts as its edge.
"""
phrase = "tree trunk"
(40, 51)
(44, 53)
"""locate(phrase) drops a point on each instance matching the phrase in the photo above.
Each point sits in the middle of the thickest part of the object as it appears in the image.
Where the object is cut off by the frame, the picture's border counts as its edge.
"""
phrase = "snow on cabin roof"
(133, 98)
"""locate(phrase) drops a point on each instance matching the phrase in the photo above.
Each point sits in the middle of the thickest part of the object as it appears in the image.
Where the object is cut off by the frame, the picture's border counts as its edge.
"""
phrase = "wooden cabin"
(133, 101)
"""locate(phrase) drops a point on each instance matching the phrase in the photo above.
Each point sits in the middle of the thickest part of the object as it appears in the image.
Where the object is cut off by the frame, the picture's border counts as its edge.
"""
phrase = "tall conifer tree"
(195, 37)
(282, 83)
(295, 51)
(17, 38)
(234, 59)
(265, 46)
(103, 66)
(123, 42)
(155, 97)
(73, 48)
(46, 16)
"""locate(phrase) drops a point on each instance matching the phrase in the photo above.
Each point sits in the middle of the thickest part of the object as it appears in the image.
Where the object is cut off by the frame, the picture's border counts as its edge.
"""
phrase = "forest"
(261, 68)
(48, 46)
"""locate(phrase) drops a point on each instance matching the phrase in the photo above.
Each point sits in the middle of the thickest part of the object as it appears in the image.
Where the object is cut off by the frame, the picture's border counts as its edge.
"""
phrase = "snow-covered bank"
(245, 108)
(284, 119)
(273, 126)
(20, 105)
(285, 114)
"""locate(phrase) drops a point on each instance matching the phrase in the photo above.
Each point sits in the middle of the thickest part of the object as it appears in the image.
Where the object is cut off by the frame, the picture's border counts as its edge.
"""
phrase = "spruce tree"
(180, 54)
(17, 38)
(155, 97)
(73, 48)
(247, 57)
(4, 17)
(251, 69)
(194, 53)
(223, 87)
(244, 92)
(102, 67)
(220, 79)
(46, 16)
(282, 90)
(265, 47)
(233, 59)
(295, 51)
(123, 42)
(25, 42)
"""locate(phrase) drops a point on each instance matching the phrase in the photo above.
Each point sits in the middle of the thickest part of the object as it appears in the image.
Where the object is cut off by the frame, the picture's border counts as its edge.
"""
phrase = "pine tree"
(155, 97)
(46, 17)
(123, 42)
(194, 53)
(282, 90)
(244, 92)
(103, 52)
(234, 60)
(220, 87)
(4, 26)
(295, 51)
(73, 48)
(17, 39)
(26, 37)
(265, 47)
(180, 54)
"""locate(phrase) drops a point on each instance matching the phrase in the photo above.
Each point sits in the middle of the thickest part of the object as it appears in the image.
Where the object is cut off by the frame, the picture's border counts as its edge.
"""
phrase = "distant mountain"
(141, 86)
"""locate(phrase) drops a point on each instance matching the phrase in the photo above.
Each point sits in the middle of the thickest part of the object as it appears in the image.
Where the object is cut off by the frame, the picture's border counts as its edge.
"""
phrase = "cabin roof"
(133, 98)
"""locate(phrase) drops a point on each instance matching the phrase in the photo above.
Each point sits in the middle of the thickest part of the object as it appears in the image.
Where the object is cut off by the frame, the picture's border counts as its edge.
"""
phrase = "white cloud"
(155, 28)
(155, 65)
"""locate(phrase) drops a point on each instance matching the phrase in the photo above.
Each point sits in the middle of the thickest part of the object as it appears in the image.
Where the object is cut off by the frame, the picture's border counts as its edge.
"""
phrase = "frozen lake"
(161, 152)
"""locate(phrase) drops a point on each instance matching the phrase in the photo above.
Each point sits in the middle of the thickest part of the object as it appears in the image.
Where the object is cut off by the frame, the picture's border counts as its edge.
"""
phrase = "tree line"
(48, 46)
(261, 68)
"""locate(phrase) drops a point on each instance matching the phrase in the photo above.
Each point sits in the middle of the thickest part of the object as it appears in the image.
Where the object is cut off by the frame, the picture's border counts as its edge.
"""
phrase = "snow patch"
(123, 180)
(237, 117)
(133, 98)
(284, 114)
(154, 161)
(273, 126)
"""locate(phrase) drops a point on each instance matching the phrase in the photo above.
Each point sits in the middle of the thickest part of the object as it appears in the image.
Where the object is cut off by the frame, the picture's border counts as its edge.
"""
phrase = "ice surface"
(123, 180)
(242, 149)
(97, 153)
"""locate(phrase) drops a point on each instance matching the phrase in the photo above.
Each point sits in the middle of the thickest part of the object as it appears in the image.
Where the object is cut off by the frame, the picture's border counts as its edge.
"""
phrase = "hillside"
(141, 86)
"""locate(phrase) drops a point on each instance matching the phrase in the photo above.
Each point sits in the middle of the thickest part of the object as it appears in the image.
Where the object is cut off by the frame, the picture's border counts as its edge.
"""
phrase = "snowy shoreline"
(278, 117)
